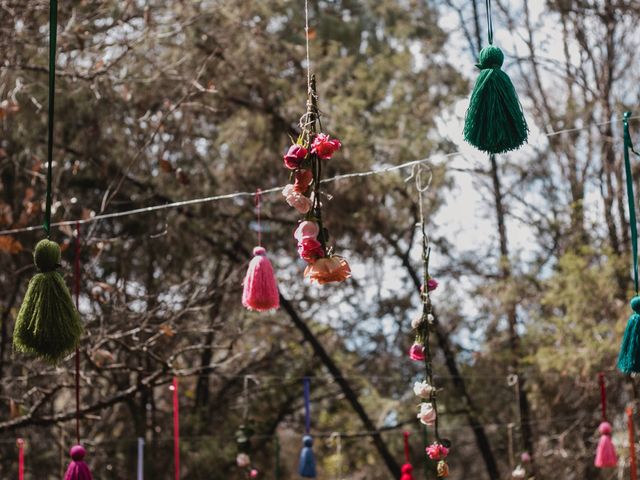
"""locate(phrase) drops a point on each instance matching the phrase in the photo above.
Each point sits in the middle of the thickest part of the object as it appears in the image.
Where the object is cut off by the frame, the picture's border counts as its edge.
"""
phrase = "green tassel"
(494, 122)
(629, 357)
(48, 323)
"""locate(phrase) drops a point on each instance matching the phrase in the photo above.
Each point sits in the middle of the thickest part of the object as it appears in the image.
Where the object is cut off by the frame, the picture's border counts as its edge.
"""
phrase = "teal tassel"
(494, 122)
(629, 357)
(48, 323)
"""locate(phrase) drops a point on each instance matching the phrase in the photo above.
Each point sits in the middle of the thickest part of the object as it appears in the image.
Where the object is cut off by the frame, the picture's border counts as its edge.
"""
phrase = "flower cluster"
(303, 158)
(437, 451)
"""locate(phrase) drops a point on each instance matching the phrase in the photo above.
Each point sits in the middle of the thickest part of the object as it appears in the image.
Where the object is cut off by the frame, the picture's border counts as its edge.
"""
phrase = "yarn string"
(406, 447)
(307, 405)
(628, 146)
(258, 205)
(603, 396)
(76, 265)
(176, 428)
(306, 31)
(489, 22)
(20, 443)
(53, 36)
(140, 458)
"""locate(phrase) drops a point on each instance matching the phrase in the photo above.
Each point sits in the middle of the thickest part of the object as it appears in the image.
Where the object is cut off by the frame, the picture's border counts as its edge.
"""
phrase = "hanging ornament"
(407, 468)
(494, 122)
(48, 325)
(78, 470)
(260, 291)
(629, 356)
(305, 160)
(606, 456)
(307, 464)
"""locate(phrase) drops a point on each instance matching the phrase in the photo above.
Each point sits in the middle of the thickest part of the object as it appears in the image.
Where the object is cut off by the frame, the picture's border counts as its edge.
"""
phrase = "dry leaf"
(167, 330)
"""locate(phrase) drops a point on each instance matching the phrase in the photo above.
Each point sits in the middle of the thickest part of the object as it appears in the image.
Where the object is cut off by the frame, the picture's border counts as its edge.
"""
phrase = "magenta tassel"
(260, 287)
(605, 453)
(78, 470)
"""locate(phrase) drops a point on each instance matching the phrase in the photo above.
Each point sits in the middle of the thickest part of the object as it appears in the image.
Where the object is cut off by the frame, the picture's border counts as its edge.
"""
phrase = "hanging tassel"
(260, 287)
(605, 452)
(78, 470)
(494, 122)
(48, 324)
(629, 356)
(307, 465)
(407, 468)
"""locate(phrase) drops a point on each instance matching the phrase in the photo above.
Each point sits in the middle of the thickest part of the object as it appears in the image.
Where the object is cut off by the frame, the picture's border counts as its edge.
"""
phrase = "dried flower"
(437, 451)
(253, 473)
(427, 415)
(423, 389)
(416, 352)
(243, 460)
(416, 322)
(306, 229)
(432, 284)
(325, 147)
(295, 156)
(297, 200)
(327, 270)
(310, 249)
(303, 179)
(442, 469)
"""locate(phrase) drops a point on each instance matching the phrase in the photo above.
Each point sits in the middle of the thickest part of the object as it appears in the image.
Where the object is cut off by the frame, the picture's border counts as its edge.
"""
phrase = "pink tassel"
(605, 453)
(78, 470)
(260, 287)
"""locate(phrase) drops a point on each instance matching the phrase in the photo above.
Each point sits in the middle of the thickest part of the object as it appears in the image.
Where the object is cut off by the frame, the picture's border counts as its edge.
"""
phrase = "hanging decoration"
(77, 470)
(20, 445)
(305, 160)
(307, 464)
(243, 437)
(494, 122)
(260, 291)
(420, 351)
(407, 468)
(606, 456)
(48, 325)
(629, 356)
(632, 445)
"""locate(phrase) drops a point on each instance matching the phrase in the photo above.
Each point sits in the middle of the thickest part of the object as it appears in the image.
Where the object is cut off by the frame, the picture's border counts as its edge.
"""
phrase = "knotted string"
(603, 396)
(489, 22)
(76, 265)
(53, 35)
(176, 428)
(628, 146)
(307, 405)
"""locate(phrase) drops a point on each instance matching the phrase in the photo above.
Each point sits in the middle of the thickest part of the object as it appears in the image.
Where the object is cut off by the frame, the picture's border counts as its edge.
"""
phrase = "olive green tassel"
(48, 323)
(629, 356)
(494, 122)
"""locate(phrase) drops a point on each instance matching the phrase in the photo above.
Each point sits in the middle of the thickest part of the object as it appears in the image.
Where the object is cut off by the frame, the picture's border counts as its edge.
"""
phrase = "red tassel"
(78, 470)
(407, 469)
(260, 287)
(605, 453)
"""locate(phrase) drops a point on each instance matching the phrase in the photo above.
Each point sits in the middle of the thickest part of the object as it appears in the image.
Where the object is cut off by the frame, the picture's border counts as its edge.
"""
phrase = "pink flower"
(297, 200)
(324, 147)
(294, 156)
(306, 229)
(437, 451)
(303, 180)
(310, 249)
(253, 473)
(416, 352)
(427, 414)
(432, 284)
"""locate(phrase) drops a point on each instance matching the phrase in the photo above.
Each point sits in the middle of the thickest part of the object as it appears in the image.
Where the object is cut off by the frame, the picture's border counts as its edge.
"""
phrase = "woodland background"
(160, 101)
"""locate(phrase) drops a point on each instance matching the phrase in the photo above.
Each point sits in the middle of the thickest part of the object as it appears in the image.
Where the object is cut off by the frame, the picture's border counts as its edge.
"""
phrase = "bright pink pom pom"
(605, 453)
(260, 287)
(253, 473)
(407, 472)
(78, 470)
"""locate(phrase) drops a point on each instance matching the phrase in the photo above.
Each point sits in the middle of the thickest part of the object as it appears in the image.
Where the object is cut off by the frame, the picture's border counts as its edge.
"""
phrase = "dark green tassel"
(494, 122)
(48, 323)
(629, 357)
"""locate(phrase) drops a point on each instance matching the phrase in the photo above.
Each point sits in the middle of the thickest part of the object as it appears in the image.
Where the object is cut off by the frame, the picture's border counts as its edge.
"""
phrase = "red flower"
(310, 249)
(303, 180)
(416, 352)
(325, 147)
(294, 156)
(432, 284)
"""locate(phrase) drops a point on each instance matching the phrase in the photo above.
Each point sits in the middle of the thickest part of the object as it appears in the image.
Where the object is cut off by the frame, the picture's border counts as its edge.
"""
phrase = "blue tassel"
(307, 467)
(629, 357)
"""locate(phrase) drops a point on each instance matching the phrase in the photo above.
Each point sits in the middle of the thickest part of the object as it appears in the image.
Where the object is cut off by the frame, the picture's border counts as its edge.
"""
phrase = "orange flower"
(327, 270)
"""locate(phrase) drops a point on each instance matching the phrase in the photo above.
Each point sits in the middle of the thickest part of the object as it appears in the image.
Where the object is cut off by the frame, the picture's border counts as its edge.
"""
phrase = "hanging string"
(276, 441)
(628, 146)
(20, 443)
(176, 428)
(53, 35)
(307, 405)
(511, 449)
(76, 265)
(336, 439)
(603, 396)
(489, 22)
(407, 456)
(258, 194)
(140, 458)
(306, 30)
(632, 445)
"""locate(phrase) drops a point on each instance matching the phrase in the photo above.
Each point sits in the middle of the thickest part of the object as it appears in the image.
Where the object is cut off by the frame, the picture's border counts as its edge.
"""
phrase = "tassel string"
(53, 36)
(628, 146)
(603, 396)
(20, 443)
(489, 22)
(258, 205)
(307, 405)
(76, 265)
(407, 457)
(176, 428)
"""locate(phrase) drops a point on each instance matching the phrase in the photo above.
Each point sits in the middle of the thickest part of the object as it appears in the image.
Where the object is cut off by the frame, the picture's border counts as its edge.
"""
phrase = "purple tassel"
(78, 470)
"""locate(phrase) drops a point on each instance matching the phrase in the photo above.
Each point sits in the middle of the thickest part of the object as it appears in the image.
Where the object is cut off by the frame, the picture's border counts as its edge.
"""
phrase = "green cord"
(628, 145)
(489, 22)
(53, 34)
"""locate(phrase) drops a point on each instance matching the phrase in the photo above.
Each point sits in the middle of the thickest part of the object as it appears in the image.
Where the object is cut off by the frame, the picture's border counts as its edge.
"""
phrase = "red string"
(20, 443)
(258, 193)
(406, 447)
(603, 396)
(77, 295)
(632, 445)
(176, 429)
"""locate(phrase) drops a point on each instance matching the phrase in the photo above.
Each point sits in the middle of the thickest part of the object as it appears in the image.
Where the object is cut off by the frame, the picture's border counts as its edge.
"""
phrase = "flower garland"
(420, 351)
(305, 160)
